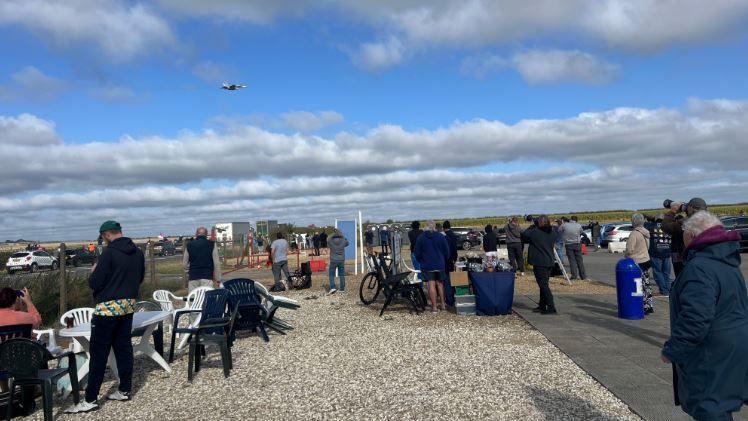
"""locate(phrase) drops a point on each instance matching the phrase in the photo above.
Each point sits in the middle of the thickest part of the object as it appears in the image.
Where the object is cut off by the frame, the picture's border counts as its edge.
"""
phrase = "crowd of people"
(708, 298)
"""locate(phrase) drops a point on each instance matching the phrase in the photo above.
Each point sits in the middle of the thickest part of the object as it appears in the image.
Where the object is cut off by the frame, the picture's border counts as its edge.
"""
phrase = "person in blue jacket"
(708, 342)
(432, 251)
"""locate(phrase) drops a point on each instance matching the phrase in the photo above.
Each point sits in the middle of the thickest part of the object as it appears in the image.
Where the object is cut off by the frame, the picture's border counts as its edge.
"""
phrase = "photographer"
(540, 238)
(673, 225)
(11, 308)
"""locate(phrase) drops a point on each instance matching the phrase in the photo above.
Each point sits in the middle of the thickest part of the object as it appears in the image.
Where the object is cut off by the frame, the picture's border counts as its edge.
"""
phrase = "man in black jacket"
(201, 261)
(541, 240)
(115, 281)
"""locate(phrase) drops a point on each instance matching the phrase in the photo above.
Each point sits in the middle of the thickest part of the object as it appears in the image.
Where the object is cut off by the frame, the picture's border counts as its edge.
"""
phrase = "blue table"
(494, 292)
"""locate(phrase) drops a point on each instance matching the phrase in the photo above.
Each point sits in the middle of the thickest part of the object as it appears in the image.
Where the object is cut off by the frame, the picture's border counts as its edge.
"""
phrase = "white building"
(231, 231)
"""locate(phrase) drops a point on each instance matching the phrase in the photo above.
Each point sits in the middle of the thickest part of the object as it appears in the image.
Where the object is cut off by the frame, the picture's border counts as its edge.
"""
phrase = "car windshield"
(17, 255)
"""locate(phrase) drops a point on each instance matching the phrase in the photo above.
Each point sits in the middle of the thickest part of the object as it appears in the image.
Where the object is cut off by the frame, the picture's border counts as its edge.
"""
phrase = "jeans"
(110, 333)
(560, 252)
(515, 256)
(340, 266)
(278, 267)
(542, 274)
(661, 271)
(574, 254)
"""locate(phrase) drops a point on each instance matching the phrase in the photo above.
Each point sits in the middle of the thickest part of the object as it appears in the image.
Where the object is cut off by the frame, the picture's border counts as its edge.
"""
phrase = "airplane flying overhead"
(232, 86)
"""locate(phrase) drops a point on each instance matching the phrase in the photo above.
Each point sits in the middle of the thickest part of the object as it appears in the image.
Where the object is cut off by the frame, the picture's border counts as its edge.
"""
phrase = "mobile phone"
(19, 293)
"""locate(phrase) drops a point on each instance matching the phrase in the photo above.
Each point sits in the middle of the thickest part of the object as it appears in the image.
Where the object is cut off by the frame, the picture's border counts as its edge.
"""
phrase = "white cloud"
(30, 84)
(120, 29)
(595, 160)
(376, 56)
(113, 93)
(306, 122)
(552, 66)
(417, 25)
(27, 130)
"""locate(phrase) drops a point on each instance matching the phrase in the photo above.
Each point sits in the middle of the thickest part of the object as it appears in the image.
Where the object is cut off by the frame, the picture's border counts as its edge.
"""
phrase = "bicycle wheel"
(369, 289)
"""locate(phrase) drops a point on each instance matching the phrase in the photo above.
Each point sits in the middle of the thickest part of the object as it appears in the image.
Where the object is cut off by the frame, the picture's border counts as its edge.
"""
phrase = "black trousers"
(574, 254)
(542, 274)
(515, 256)
(109, 333)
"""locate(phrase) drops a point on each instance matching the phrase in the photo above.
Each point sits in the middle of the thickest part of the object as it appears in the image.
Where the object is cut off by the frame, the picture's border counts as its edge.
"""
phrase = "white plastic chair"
(80, 315)
(194, 302)
(166, 299)
(51, 339)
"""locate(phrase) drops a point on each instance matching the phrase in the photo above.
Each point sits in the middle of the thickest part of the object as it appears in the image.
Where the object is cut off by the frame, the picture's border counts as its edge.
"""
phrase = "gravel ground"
(344, 362)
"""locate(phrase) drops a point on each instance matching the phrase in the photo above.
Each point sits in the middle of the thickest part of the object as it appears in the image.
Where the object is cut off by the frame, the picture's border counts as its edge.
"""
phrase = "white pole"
(361, 239)
(355, 241)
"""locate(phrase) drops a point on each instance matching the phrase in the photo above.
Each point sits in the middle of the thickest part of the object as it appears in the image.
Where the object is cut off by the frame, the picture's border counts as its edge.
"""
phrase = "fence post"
(152, 263)
(62, 257)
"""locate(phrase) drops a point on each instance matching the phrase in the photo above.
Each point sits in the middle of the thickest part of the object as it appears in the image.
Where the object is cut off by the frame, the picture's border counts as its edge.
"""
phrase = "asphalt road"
(601, 265)
(81, 271)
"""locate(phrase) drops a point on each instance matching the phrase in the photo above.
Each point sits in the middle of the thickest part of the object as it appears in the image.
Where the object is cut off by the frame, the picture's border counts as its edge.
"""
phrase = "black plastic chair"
(246, 300)
(10, 332)
(158, 333)
(214, 328)
(400, 285)
(26, 363)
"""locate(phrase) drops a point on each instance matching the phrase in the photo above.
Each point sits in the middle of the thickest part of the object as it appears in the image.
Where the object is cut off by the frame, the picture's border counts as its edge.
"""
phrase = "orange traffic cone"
(584, 248)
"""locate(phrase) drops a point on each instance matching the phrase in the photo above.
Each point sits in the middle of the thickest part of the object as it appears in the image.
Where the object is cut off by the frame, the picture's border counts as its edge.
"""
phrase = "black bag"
(278, 287)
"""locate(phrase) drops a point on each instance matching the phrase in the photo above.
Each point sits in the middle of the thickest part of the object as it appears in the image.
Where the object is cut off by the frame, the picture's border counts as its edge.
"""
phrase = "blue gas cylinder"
(629, 290)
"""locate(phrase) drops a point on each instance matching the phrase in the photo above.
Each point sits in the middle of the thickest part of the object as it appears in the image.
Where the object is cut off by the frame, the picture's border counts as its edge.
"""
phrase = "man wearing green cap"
(115, 281)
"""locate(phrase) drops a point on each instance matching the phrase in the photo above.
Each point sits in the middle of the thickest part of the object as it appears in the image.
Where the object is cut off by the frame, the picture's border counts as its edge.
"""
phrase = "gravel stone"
(345, 362)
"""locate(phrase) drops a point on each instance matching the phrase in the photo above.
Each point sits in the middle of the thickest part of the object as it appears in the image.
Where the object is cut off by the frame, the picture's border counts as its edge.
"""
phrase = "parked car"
(77, 257)
(179, 246)
(164, 248)
(740, 224)
(30, 261)
(501, 235)
(585, 238)
(467, 238)
(617, 232)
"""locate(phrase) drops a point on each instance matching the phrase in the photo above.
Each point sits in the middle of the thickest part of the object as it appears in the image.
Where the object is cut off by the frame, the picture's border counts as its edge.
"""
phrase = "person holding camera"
(673, 225)
(11, 308)
(540, 239)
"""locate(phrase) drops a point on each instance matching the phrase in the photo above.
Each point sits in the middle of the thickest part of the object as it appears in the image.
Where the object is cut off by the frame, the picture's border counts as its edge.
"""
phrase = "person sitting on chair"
(11, 308)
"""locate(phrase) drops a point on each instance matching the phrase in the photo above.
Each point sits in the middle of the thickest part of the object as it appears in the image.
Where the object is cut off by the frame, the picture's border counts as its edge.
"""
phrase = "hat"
(110, 226)
(697, 204)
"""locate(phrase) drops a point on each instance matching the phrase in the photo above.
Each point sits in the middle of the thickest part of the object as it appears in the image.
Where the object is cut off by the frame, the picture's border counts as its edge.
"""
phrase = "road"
(81, 271)
(601, 266)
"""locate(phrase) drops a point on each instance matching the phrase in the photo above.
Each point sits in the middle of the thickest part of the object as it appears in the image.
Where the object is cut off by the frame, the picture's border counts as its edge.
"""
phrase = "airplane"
(232, 87)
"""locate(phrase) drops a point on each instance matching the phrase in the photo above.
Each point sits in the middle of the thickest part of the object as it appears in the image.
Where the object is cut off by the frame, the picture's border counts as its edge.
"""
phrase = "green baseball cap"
(110, 226)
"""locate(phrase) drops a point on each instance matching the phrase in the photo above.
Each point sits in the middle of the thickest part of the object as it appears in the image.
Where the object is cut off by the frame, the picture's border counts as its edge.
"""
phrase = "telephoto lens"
(666, 204)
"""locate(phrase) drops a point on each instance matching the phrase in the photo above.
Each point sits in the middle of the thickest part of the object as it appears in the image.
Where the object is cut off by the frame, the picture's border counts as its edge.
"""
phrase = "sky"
(112, 109)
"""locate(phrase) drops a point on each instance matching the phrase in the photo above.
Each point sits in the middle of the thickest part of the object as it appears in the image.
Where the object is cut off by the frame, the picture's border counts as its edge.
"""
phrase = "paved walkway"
(623, 355)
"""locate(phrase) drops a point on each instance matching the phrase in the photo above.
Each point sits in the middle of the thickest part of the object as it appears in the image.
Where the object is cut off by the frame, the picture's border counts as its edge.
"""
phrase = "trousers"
(110, 333)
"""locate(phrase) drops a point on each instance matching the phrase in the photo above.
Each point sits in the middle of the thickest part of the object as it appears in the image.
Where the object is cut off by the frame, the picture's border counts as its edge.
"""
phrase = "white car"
(30, 261)
(616, 233)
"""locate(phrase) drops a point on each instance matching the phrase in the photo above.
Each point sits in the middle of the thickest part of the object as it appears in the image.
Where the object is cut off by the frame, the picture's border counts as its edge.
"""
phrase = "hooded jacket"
(637, 245)
(337, 244)
(571, 232)
(709, 326)
(119, 271)
(513, 233)
(432, 251)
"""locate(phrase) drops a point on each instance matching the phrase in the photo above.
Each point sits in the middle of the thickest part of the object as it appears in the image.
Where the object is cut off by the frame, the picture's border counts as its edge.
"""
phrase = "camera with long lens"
(683, 205)
(530, 218)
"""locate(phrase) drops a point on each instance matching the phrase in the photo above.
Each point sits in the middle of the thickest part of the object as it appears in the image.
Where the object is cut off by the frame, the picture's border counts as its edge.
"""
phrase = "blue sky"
(404, 91)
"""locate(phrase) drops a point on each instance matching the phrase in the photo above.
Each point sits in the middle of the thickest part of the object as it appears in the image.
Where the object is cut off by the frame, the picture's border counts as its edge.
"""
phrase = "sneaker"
(537, 309)
(342, 291)
(83, 406)
(332, 291)
(119, 396)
